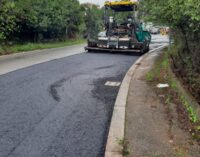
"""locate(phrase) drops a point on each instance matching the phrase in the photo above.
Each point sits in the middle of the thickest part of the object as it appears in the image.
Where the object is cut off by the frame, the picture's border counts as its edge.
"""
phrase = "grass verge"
(187, 108)
(16, 48)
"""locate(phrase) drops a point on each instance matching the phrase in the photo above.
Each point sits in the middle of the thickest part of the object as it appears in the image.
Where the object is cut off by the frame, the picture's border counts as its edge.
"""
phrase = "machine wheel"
(147, 49)
(144, 48)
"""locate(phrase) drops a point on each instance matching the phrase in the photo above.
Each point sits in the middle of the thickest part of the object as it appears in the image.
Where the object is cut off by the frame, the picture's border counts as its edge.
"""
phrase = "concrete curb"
(117, 126)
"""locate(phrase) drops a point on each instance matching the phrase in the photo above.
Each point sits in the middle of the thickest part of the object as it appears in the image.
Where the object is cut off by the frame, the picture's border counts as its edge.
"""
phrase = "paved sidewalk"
(147, 125)
(21, 60)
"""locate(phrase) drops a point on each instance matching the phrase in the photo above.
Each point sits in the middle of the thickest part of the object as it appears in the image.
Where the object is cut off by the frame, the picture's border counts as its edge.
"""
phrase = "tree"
(93, 20)
(7, 19)
(179, 13)
(183, 16)
(45, 20)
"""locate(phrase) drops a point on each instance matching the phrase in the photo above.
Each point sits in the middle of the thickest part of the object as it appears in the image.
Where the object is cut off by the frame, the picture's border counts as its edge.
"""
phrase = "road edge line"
(117, 125)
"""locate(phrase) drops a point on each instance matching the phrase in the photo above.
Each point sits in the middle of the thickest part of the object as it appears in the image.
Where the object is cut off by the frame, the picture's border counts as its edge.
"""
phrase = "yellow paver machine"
(123, 32)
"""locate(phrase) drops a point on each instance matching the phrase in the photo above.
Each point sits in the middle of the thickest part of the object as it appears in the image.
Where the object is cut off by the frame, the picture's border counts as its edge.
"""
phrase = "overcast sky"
(100, 2)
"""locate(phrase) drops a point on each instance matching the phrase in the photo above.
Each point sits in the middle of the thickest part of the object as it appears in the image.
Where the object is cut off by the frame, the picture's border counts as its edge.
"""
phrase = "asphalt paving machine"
(126, 35)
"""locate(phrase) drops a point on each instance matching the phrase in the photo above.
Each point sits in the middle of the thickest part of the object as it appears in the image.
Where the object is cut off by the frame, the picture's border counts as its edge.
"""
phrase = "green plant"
(180, 152)
(35, 46)
(173, 84)
(165, 62)
(173, 94)
(124, 144)
(183, 18)
(195, 136)
(192, 115)
(7, 19)
(150, 76)
(198, 128)
(47, 20)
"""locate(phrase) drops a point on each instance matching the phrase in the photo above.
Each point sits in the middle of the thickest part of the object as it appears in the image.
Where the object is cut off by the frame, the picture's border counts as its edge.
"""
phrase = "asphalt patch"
(107, 95)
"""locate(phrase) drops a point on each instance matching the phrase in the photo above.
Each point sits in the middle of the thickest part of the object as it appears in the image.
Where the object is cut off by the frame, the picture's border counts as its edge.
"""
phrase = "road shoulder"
(148, 131)
(9, 63)
(115, 141)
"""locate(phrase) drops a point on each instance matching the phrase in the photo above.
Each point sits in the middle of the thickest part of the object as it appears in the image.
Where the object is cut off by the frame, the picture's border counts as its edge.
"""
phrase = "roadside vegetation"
(183, 56)
(15, 48)
(183, 17)
(186, 107)
(28, 25)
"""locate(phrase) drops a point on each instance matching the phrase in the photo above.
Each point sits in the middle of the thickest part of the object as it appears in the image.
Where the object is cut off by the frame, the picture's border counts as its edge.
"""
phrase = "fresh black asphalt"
(60, 108)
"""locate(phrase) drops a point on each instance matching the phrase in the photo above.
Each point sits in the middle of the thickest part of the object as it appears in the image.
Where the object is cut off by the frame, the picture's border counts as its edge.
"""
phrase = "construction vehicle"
(121, 36)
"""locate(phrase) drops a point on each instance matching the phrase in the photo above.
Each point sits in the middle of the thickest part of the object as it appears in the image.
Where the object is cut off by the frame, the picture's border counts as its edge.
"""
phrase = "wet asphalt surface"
(60, 108)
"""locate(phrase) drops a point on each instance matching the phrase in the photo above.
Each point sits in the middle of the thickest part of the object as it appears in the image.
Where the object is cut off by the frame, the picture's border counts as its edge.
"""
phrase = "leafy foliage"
(7, 19)
(48, 19)
(177, 14)
(44, 20)
(183, 16)
(93, 20)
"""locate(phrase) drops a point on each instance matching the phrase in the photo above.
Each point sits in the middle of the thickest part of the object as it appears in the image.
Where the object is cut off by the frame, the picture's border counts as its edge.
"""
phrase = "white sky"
(99, 2)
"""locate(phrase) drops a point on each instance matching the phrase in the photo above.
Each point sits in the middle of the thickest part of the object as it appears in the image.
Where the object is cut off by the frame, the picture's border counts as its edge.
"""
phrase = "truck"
(123, 31)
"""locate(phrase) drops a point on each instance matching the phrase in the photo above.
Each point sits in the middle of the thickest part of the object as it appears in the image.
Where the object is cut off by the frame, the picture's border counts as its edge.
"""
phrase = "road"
(61, 107)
